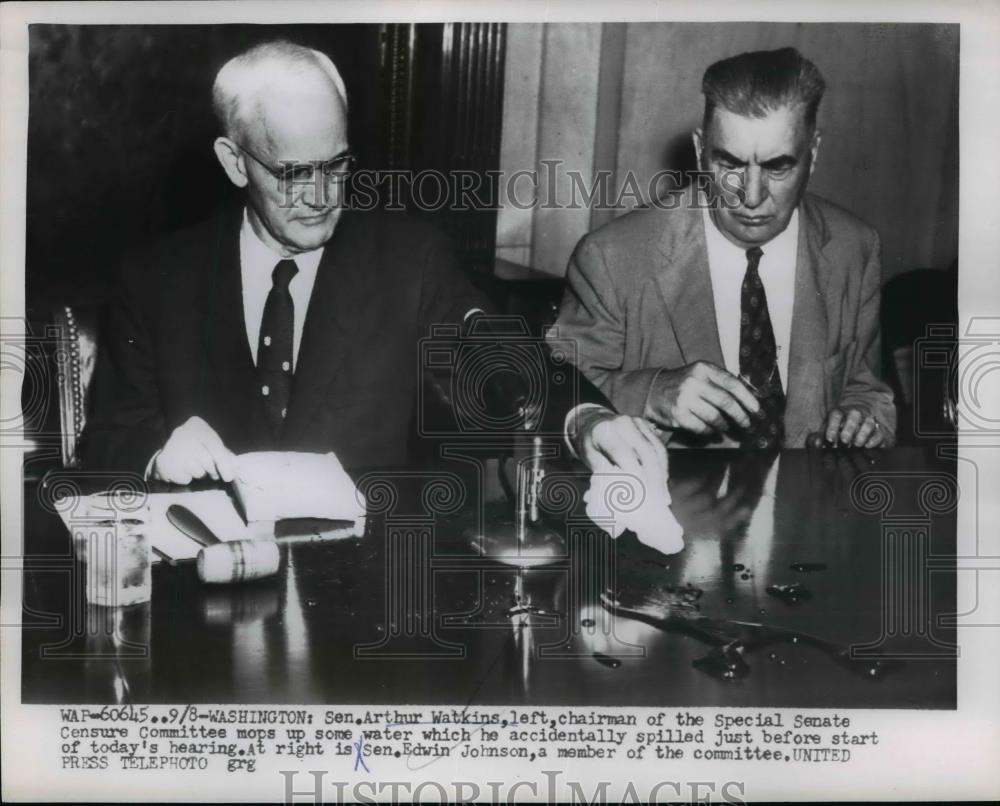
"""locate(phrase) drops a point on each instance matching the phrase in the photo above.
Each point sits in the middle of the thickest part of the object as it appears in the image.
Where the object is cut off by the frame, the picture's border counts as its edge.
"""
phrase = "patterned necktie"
(759, 361)
(274, 350)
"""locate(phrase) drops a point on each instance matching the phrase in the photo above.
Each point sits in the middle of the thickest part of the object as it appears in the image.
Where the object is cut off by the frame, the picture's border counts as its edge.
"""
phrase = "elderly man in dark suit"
(292, 323)
(748, 314)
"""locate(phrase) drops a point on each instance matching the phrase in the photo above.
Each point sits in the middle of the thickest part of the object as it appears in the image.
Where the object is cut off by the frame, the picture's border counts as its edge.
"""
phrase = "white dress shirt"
(257, 262)
(727, 264)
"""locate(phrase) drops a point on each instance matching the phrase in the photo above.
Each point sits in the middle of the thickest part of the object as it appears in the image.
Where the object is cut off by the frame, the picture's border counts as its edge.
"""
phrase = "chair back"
(76, 332)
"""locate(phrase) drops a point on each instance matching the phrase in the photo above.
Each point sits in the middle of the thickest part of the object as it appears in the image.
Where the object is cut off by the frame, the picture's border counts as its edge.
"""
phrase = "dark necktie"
(759, 361)
(277, 342)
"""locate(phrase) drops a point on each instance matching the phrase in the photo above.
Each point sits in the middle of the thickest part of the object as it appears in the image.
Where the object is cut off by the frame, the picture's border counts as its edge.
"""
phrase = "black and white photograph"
(445, 396)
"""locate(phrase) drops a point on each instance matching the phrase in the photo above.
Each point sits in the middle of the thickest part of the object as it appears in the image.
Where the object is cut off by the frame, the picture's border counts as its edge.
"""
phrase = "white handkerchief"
(272, 485)
(620, 501)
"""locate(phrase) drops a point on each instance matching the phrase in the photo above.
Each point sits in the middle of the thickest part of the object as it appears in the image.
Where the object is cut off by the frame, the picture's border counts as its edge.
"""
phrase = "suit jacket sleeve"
(592, 321)
(863, 387)
(127, 425)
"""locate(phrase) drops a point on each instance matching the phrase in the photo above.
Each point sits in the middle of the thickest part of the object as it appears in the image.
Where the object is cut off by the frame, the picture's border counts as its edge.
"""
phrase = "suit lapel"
(338, 307)
(225, 329)
(804, 388)
(686, 285)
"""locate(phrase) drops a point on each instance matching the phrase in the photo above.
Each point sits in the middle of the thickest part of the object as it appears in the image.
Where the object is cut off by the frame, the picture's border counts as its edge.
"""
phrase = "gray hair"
(244, 75)
(754, 84)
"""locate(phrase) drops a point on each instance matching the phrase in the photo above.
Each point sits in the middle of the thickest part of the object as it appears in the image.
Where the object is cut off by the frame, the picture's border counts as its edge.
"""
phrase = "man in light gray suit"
(748, 314)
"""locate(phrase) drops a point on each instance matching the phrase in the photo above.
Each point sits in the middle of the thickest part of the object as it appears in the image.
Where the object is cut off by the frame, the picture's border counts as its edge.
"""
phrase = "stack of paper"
(271, 485)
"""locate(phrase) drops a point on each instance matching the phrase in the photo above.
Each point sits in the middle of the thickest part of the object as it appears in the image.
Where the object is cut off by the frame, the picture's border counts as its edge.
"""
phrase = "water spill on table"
(733, 641)
(808, 567)
(607, 660)
(792, 594)
(724, 663)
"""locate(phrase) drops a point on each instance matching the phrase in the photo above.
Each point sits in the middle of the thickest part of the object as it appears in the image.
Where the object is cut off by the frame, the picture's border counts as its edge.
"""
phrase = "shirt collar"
(257, 254)
(784, 243)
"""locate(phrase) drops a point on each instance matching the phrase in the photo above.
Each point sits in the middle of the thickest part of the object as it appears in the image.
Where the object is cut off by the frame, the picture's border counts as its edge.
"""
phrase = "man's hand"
(701, 398)
(192, 452)
(851, 428)
(607, 441)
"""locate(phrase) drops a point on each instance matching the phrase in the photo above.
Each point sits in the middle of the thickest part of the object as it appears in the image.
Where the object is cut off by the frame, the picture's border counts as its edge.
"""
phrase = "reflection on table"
(808, 579)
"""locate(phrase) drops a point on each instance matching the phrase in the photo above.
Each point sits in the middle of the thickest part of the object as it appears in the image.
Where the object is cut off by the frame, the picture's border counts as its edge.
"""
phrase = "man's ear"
(814, 149)
(231, 160)
(697, 139)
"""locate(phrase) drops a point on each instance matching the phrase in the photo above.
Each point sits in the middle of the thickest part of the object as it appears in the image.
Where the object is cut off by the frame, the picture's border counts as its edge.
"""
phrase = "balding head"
(249, 86)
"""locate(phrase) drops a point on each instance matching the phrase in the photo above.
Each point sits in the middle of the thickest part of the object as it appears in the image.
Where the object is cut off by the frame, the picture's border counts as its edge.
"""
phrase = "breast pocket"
(834, 372)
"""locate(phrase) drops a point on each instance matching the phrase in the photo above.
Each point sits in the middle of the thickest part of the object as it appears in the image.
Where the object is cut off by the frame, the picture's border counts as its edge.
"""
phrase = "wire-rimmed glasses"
(292, 173)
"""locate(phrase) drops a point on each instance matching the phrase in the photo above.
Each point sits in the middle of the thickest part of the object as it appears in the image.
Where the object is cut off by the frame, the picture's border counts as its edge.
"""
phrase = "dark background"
(120, 131)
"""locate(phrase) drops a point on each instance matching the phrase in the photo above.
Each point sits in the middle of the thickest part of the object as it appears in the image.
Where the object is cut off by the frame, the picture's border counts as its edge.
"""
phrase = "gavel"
(222, 561)
(238, 561)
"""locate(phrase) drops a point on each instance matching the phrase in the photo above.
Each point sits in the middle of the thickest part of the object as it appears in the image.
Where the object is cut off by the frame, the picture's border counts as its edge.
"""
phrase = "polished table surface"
(412, 613)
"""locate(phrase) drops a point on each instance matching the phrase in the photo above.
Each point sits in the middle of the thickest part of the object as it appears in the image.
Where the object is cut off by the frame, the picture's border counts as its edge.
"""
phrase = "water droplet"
(790, 594)
(587, 622)
(739, 567)
(605, 660)
(723, 663)
(806, 567)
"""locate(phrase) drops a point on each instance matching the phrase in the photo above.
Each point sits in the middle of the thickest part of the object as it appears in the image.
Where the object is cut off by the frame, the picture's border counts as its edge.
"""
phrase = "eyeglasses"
(303, 173)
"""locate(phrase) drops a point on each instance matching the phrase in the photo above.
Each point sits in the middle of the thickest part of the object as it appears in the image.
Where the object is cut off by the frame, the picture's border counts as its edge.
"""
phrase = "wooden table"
(410, 613)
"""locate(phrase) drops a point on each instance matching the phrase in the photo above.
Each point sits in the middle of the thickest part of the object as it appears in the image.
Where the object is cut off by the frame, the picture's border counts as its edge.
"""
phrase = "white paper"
(272, 485)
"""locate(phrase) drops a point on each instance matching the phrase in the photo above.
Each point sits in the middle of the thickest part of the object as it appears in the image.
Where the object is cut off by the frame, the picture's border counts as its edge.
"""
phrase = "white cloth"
(727, 264)
(257, 262)
(619, 501)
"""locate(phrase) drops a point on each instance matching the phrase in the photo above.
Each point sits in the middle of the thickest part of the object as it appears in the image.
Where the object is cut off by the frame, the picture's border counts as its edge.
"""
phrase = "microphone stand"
(524, 542)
